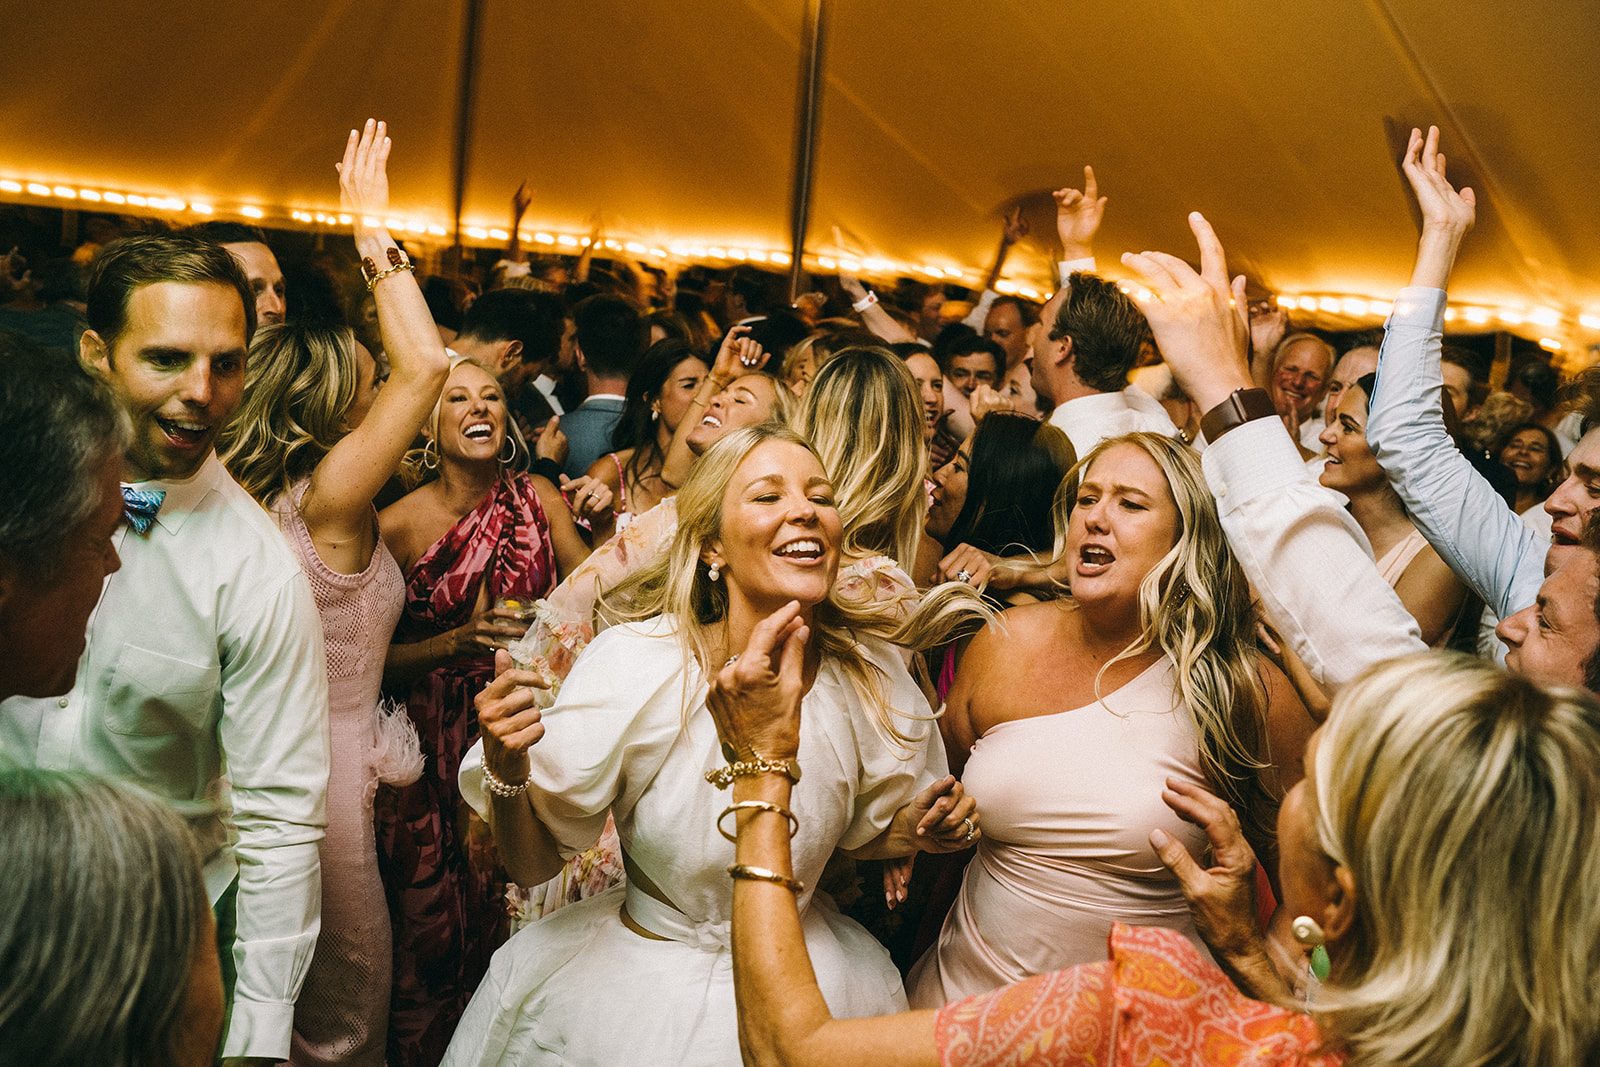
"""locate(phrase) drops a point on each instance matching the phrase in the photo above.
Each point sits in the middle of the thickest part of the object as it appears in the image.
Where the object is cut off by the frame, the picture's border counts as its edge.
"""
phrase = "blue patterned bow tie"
(140, 506)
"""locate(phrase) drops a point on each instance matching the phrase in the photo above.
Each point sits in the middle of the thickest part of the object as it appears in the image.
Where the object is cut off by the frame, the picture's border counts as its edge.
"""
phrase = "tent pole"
(466, 92)
(808, 107)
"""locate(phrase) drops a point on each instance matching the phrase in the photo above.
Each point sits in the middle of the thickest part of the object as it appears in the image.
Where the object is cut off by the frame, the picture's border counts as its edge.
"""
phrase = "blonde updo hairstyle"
(1464, 802)
(677, 583)
(421, 465)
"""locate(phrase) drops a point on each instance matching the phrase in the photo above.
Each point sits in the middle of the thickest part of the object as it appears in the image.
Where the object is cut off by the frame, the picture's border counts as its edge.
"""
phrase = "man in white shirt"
(1087, 342)
(205, 651)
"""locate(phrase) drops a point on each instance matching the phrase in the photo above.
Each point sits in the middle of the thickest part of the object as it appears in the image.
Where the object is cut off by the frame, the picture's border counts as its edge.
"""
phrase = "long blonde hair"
(864, 418)
(676, 583)
(1195, 606)
(1464, 802)
(300, 382)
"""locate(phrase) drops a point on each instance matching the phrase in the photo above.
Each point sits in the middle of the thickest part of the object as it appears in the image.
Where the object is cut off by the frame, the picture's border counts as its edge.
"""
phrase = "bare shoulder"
(606, 467)
(400, 525)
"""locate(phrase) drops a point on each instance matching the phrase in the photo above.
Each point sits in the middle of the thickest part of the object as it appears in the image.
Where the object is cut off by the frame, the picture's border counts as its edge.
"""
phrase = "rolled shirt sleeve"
(1306, 557)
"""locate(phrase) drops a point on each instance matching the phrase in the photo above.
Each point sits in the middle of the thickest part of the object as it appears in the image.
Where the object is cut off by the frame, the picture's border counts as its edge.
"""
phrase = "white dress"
(577, 987)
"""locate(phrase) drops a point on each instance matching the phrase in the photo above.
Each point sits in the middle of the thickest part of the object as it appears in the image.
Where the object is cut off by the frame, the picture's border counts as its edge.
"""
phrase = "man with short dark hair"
(61, 442)
(611, 338)
(206, 650)
(249, 246)
(518, 334)
(1085, 346)
(974, 361)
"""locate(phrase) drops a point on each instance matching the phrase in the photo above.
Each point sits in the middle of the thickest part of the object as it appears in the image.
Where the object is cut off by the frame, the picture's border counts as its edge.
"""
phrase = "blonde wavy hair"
(300, 381)
(676, 583)
(864, 418)
(1195, 606)
(414, 467)
(1464, 802)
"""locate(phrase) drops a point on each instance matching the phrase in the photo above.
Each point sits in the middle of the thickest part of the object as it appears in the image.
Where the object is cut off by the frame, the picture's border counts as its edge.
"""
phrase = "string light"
(1356, 307)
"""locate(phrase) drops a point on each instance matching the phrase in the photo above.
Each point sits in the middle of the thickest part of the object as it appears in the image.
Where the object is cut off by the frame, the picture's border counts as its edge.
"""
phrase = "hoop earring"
(430, 455)
(715, 572)
(505, 460)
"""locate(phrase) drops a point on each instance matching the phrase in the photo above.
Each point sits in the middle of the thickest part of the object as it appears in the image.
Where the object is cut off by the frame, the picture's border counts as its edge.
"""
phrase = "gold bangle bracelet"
(757, 805)
(761, 874)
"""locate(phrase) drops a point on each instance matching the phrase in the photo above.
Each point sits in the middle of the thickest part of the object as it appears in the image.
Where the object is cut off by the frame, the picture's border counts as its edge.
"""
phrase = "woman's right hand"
(490, 628)
(755, 697)
(509, 718)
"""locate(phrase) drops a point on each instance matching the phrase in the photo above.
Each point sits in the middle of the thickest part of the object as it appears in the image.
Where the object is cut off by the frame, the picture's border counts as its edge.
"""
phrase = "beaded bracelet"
(501, 788)
(761, 874)
(757, 805)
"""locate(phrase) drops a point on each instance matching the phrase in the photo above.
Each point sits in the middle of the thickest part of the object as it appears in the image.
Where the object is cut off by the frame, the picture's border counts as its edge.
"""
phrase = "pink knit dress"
(342, 1013)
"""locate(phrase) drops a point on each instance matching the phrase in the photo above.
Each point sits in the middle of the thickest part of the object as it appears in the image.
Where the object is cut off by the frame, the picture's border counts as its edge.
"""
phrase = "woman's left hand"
(946, 819)
(755, 697)
(587, 497)
(966, 563)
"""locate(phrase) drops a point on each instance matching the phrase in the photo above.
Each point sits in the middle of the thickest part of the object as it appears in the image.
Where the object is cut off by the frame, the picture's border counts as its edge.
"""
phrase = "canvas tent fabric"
(1282, 122)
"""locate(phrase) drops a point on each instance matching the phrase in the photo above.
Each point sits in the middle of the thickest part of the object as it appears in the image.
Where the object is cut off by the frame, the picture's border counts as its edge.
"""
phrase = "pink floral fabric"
(1155, 1002)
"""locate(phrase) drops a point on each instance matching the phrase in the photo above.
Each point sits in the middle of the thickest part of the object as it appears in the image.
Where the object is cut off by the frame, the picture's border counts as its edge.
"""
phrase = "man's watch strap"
(1241, 406)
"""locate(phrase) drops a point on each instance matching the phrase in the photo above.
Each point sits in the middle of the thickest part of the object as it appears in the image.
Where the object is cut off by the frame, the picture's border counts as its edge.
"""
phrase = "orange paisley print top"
(1154, 1003)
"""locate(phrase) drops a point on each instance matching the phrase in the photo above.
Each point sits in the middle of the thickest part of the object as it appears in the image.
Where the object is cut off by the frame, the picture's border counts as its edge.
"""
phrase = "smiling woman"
(629, 733)
(477, 535)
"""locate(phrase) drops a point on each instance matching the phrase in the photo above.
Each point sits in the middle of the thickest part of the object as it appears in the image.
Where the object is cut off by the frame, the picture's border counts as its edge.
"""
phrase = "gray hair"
(57, 426)
(100, 920)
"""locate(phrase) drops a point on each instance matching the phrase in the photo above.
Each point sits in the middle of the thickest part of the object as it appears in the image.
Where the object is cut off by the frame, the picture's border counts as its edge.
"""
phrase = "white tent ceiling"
(1282, 122)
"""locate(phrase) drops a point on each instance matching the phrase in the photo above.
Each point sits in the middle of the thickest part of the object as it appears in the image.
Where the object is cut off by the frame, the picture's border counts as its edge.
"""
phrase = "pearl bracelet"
(501, 788)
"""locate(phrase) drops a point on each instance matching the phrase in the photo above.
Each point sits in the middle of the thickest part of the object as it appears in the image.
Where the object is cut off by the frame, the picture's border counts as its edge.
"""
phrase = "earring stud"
(1306, 931)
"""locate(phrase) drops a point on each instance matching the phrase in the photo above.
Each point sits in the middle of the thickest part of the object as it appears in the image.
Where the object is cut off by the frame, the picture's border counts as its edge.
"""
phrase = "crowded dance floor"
(774, 587)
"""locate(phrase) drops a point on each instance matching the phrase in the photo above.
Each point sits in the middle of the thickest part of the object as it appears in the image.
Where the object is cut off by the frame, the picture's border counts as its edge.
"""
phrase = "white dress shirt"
(1305, 555)
(1088, 420)
(205, 657)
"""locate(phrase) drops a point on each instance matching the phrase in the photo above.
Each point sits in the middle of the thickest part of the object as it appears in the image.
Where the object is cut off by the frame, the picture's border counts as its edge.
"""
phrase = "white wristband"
(865, 302)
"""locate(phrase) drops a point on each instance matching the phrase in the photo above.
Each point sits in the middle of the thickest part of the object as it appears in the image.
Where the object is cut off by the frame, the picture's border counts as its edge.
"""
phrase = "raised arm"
(1078, 215)
(782, 1016)
(1012, 230)
(873, 316)
(338, 503)
(519, 207)
(738, 355)
(1456, 509)
(1300, 549)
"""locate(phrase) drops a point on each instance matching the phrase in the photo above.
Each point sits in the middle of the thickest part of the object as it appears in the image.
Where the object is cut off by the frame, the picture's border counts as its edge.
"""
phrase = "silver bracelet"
(500, 788)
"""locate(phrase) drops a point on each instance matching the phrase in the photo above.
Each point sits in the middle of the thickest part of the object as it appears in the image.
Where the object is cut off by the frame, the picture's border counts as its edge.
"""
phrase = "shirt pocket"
(154, 695)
